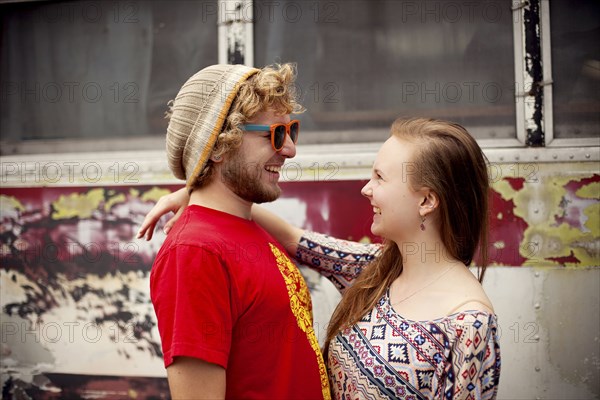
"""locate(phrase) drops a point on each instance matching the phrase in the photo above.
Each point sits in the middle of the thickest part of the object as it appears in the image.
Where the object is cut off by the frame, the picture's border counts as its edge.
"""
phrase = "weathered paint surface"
(75, 287)
(76, 313)
(557, 213)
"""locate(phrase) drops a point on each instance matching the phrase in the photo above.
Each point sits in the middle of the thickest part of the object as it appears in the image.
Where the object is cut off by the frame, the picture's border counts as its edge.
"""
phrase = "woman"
(413, 321)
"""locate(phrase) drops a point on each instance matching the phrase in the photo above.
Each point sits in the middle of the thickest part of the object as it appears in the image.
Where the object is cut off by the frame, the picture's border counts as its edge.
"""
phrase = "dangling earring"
(422, 226)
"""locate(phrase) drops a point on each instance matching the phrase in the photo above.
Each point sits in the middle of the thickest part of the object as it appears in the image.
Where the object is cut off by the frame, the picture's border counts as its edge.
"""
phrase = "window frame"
(235, 35)
(551, 141)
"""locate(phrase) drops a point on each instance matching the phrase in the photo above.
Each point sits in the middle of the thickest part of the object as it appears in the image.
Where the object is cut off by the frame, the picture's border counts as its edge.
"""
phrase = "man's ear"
(216, 159)
(429, 202)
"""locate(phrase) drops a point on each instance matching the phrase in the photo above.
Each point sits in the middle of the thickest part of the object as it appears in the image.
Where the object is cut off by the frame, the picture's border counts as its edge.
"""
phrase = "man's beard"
(244, 179)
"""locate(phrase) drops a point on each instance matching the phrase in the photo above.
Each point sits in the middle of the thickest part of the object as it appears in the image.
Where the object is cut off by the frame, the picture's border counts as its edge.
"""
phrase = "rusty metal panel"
(75, 305)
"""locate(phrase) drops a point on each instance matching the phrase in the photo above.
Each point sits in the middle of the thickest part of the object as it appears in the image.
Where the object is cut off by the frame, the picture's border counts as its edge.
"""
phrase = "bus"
(84, 87)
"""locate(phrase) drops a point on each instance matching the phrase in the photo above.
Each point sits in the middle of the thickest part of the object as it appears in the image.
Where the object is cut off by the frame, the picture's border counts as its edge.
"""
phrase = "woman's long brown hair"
(451, 164)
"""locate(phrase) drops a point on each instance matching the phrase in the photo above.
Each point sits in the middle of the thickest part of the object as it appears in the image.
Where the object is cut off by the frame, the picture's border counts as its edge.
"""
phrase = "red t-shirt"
(225, 291)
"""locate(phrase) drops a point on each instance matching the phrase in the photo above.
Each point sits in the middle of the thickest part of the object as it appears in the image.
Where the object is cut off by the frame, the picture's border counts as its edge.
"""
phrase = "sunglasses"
(278, 132)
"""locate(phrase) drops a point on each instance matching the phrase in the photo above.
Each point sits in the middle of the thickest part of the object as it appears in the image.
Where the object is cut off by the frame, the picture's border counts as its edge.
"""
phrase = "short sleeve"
(190, 291)
(475, 368)
(340, 261)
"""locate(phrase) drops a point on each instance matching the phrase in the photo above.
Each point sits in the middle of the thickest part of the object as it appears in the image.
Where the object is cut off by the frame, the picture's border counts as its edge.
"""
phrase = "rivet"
(537, 369)
(554, 156)
(537, 274)
(536, 211)
(587, 156)
(517, 158)
(501, 158)
(571, 156)
(537, 306)
(535, 157)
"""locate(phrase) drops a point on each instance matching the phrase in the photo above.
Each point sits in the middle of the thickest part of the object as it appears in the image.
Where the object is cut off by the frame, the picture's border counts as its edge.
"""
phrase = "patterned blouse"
(387, 356)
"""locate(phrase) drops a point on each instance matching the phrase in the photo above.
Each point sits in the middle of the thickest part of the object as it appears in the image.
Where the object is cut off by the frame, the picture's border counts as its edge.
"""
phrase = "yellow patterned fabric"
(301, 306)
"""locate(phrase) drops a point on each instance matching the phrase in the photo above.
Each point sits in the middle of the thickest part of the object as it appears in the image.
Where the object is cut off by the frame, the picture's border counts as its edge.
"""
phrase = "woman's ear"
(429, 201)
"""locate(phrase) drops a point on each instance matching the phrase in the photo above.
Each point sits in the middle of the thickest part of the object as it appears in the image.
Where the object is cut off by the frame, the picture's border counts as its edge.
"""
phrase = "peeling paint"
(116, 199)
(506, 229)
(236, 44)
(533, 68)
(153, 194)
(77, 205)
(515, 183)
(592, 223)
(8, 204)
(85, 268)
(73, 386)
(560, 217)
(235, 24)
(71, 276)
(570, 259)
(590, 188)
(580, 196)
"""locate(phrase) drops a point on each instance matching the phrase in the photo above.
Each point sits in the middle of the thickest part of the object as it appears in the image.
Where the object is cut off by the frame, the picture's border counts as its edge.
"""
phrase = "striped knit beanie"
(198, 114)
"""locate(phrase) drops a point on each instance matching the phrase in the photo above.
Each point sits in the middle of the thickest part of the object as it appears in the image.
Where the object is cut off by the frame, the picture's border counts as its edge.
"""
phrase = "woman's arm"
(176, 202)
(338, 260)
(475, 359)
(285, 233)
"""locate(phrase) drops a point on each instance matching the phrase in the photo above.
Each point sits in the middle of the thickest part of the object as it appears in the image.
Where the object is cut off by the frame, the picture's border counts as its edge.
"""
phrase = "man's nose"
(289, 148)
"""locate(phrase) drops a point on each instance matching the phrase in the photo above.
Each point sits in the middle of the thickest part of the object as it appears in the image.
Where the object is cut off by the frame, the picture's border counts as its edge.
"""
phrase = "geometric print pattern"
(387, 356)
(340, 261)
(454, 357)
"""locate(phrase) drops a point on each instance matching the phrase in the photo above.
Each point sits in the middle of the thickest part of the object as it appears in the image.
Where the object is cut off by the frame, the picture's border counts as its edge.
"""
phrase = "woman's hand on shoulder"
(175, 202)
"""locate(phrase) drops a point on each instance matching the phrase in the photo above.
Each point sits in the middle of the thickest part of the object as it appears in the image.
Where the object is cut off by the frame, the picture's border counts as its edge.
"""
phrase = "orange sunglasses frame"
(271, 129)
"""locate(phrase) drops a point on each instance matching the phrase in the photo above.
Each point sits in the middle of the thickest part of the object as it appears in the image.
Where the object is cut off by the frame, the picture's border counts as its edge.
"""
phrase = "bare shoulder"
(468, 294)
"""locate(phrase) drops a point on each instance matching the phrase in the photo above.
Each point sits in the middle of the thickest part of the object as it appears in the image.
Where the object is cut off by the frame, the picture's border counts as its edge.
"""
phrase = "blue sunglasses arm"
(256, 128)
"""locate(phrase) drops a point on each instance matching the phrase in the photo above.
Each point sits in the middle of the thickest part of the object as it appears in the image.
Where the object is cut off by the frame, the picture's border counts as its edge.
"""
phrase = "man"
(234, 313)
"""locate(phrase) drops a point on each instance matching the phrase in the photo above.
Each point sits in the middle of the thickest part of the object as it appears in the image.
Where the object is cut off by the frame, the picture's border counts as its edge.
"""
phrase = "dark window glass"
(98, 69)
(362, 63)
(575, 41)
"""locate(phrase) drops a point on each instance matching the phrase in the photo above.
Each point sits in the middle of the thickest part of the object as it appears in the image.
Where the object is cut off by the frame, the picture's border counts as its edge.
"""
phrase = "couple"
(234, 313)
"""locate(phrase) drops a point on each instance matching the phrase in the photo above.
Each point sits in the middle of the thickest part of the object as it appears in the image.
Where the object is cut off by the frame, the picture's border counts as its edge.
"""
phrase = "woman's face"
(395, 204)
